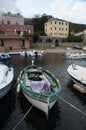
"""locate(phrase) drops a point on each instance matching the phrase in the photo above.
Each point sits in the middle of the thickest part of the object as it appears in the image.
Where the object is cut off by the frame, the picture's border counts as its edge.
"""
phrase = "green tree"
(35, 37)
(73, 38)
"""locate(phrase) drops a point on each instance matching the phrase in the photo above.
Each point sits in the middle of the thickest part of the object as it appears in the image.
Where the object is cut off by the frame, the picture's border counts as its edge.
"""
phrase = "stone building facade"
(56, 31)
(57, 28)
(84, 36)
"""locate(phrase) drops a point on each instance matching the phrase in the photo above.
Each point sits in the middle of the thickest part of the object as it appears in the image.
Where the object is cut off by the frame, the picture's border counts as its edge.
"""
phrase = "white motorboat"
(6, 78)
(78, 75)
(71, 55)
(32, 53)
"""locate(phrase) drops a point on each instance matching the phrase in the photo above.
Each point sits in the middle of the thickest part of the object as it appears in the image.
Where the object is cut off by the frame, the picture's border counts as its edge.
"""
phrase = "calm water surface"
(62, 117)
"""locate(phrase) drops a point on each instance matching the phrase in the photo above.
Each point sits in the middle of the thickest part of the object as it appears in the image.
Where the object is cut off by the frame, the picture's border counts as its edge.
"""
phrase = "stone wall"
(57, 42)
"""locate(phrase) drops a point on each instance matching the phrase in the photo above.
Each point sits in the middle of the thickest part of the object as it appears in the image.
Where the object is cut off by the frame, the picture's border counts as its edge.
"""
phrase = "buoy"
(18, 88)
(79, 88)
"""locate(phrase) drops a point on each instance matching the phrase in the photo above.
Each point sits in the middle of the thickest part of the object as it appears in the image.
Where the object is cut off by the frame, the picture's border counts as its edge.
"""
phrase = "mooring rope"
(72, 106)
(32, 107)
(23, 118)
(25, 114)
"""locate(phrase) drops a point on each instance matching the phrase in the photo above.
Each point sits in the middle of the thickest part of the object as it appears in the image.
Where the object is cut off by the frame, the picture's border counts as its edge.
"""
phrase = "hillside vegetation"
(38, 22)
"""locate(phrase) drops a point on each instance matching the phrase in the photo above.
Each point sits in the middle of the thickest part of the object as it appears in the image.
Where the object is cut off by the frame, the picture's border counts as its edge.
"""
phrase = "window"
(2, 21)
(62, 29)
(55, 28)
(1, 43)
(59, 28)
(8, 22)
(22, 43)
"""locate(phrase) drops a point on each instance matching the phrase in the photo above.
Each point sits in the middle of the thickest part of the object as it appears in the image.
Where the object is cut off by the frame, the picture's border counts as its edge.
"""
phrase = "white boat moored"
(78, 75)
(6, 78)
(78, 55)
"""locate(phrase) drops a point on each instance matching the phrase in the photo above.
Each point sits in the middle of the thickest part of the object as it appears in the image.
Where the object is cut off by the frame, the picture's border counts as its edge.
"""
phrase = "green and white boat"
(40, 87)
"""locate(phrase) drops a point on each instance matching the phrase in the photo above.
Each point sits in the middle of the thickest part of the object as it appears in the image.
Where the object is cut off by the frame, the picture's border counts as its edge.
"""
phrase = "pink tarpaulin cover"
(39, 86)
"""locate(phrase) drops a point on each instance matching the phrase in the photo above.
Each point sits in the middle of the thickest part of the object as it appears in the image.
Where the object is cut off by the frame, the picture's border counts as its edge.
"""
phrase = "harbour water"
(69, 112)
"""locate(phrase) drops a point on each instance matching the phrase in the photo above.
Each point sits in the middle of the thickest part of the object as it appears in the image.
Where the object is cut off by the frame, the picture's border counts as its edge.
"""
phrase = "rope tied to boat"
(23, 118)
(83, 113)
(25, 114)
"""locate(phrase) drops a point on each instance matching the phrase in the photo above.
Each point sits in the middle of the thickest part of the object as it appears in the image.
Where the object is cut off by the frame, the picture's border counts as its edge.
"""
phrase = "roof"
(12, 15)
(57, 19)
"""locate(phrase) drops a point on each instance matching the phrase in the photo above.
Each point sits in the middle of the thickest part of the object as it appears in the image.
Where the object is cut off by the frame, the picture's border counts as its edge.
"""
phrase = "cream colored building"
(84, 37)
(56, 28)
(9, 18)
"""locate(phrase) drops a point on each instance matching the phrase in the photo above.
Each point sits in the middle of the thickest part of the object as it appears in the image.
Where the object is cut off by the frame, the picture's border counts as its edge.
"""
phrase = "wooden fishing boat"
(40, 87)
(78, 75)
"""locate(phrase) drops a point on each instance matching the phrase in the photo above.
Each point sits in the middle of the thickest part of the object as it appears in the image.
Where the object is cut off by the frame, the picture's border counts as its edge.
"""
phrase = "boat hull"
(6, 79)
(5, 90)
(71, 55)
(77, 74)
(75, 56)
(43, 106)
(78, 82)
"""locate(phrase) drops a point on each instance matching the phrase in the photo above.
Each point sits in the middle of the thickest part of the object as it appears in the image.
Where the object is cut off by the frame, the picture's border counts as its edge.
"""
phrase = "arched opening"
(22, 43)
(1, 42)
(56, 42)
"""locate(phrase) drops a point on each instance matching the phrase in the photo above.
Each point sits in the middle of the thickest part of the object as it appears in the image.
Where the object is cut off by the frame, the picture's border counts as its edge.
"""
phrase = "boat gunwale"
(75, 78)
(46, 94)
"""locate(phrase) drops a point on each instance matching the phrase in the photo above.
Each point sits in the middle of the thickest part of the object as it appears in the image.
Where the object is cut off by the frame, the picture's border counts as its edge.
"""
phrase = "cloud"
(78, 12)
(71, 10)
(10, 5)
(24, 7)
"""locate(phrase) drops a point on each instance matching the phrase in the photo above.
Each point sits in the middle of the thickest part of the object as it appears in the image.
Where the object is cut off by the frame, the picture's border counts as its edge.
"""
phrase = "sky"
(70, 10)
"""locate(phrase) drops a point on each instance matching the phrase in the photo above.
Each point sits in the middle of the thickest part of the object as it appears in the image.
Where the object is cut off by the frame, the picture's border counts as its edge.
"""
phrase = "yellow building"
(56, 28)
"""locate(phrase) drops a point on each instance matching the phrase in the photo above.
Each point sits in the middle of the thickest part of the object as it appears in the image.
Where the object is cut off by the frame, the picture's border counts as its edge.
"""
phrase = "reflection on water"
(62, 117)
(6, 106)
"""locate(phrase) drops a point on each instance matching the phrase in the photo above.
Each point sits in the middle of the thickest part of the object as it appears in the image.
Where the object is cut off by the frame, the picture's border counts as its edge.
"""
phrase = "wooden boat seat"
(35, 75)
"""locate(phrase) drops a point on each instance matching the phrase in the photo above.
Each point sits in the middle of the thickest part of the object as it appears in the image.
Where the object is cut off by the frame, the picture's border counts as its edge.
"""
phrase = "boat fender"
(18, 88)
